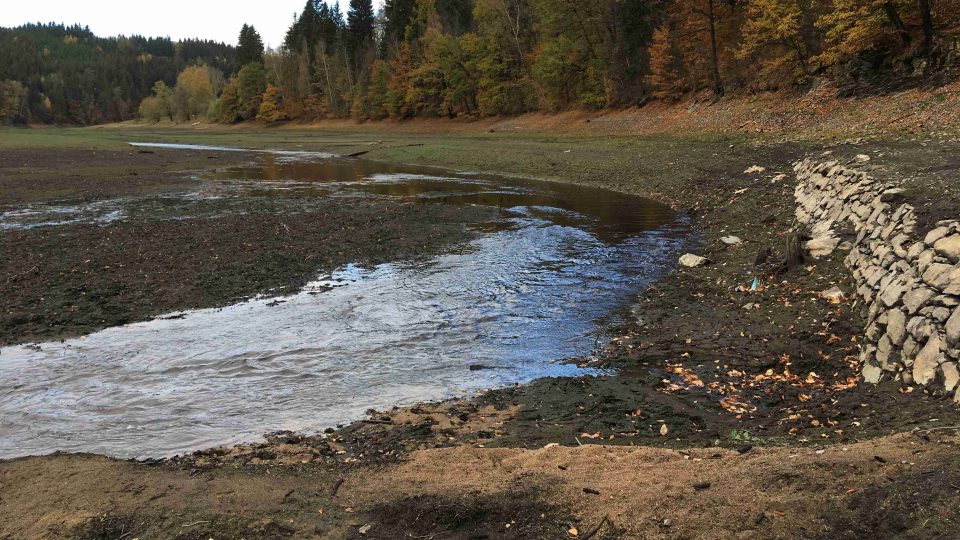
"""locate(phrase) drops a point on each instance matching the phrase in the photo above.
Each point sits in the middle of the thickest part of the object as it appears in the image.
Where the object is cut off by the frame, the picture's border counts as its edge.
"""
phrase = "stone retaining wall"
(908, 280)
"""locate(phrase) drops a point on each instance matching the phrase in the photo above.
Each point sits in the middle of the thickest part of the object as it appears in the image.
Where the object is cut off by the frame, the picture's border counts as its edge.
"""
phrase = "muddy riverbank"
(767, 432)
(181, 249)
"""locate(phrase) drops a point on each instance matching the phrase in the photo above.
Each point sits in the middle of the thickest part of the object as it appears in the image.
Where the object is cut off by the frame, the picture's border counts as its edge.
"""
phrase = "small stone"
(834, 295)
(939, 314)
(915, 250)
(731, 240)
(872, 332)
(693, 261)
(924, 260)
(920, 328)
(756, 169)
(887, 358)
(871, 373)
(861, 158)
(946, 300)
(910, 350)
(926, 363)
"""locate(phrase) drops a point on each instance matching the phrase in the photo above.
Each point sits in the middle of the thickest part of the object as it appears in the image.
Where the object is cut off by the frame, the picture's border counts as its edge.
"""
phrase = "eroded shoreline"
(695, 327)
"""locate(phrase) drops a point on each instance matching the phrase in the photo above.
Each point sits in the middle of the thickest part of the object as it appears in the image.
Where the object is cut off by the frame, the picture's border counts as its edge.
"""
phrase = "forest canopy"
(65, 74)
(475, 58)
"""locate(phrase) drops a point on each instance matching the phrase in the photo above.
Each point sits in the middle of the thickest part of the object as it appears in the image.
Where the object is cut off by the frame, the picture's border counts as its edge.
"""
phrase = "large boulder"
(936, 234)
(893, 292)
(938, 275)
(917, 298)
(822, 246)
(949, 247)
(928, 360)
(950, 376)
(896, 326)
(953, 329)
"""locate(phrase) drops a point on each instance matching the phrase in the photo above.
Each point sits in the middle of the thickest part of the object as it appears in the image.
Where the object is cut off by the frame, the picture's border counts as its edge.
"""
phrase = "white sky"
(219, 20)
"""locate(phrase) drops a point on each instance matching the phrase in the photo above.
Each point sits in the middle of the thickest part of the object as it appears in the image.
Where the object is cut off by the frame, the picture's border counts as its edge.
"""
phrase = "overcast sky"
(219, 20)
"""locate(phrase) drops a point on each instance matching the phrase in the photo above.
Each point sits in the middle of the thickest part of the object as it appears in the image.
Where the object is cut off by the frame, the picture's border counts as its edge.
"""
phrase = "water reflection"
(611, 215)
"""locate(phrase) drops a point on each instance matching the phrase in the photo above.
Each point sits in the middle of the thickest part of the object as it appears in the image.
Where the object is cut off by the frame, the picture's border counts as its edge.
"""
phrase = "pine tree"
(397, 16)
(249, 46)
(360, 23)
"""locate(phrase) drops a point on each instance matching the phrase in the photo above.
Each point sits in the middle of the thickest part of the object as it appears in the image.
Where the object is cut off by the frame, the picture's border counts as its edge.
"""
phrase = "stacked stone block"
(908, 281)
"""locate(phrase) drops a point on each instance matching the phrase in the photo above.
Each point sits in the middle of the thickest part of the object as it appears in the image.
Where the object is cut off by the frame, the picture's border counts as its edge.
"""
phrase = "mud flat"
(747, 407)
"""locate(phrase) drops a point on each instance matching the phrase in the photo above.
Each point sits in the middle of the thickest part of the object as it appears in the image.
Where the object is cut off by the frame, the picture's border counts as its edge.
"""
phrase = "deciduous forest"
(475, 58)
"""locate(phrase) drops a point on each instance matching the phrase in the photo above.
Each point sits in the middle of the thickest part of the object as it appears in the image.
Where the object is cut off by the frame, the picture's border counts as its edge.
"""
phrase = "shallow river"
(529, 293)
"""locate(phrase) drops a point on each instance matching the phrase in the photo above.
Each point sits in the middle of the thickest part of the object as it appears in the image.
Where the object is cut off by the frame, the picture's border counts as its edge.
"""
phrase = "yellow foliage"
(271, 108)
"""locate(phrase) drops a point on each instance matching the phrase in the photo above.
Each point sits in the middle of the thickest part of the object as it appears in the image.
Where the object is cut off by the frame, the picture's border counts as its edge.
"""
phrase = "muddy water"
(524, 296)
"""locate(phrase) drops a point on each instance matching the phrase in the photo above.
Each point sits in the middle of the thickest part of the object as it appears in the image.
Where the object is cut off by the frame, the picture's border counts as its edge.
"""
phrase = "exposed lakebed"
(528, 293)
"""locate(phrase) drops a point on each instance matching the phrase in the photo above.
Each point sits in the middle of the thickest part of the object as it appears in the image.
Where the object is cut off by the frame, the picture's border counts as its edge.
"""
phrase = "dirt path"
(903, 485)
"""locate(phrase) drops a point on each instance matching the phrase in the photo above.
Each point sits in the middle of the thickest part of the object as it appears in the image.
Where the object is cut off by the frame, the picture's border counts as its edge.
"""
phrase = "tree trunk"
(714, 61)
(927, 27)
(897, 22)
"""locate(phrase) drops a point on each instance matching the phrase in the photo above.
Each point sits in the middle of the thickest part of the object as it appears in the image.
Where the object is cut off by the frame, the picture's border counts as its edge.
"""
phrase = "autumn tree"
(271, 106)
(701, 19)
(667, 78)
(782, 37)
(197, 87)
(243, 94)
(160, 105)
(14, 108)
(502, 49)
(856, 27)
(575, 55)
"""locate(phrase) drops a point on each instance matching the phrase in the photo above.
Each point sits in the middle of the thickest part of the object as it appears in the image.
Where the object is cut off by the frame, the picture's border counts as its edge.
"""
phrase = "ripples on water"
(522, 297)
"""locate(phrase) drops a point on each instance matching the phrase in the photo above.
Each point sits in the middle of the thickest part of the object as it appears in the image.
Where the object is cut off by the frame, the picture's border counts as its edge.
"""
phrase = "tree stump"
(793, 252)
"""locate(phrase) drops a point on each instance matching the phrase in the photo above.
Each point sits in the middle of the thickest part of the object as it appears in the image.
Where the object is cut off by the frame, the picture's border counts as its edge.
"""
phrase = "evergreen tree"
(360, 23)
(68, 75)
(249, 46)
(397, 16)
